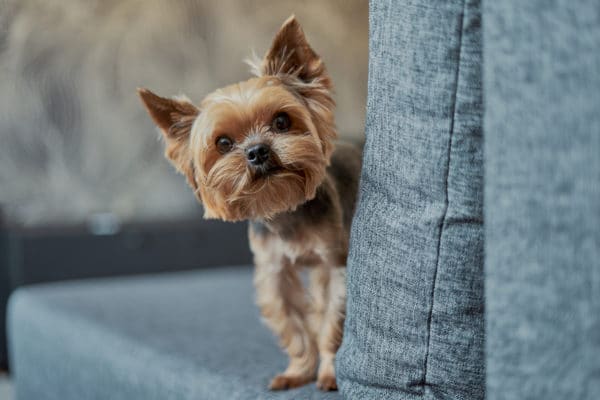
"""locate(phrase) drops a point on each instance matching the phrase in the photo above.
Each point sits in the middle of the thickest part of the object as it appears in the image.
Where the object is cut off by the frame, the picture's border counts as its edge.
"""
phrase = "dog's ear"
(291, 54)
(175, 118)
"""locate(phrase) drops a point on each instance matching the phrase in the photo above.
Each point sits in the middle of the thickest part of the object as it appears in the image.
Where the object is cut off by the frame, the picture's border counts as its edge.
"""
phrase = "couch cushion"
(542, 129)
(190, 335)
(415, 325)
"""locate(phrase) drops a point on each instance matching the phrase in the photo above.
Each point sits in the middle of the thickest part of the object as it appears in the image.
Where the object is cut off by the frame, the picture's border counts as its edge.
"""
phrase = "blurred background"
(75, 140)
(84, 188)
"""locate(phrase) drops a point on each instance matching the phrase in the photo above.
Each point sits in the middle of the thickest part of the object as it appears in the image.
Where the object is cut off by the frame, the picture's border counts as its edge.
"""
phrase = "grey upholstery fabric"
(414, 327)
(542, 151)
(190, 335)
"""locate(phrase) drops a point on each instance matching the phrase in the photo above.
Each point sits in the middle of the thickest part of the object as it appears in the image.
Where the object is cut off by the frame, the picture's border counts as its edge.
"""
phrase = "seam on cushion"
(444, 214)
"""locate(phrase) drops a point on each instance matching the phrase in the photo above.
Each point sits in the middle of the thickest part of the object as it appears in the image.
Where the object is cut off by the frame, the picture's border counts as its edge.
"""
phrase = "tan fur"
(301, 219)
(244, 112)
(308, 325)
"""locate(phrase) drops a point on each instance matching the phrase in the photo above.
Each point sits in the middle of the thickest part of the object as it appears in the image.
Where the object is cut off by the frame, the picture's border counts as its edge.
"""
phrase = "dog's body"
(262, 150)
(315, 235)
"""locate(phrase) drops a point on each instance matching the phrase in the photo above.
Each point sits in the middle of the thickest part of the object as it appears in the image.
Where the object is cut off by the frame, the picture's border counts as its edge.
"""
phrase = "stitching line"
(443, 219)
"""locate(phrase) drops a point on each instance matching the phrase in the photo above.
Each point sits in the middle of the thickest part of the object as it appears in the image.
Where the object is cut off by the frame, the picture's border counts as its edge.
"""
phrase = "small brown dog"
(262, 150)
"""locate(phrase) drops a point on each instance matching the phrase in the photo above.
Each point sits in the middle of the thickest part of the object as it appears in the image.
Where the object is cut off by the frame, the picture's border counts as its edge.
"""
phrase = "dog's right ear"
(175, 118)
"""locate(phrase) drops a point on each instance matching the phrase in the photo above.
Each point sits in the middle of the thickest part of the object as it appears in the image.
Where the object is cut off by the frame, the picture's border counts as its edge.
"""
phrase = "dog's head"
(259, 147)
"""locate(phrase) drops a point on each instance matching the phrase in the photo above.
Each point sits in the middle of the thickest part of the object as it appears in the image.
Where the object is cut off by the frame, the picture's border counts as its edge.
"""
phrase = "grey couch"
(38, 255)
(453, 200)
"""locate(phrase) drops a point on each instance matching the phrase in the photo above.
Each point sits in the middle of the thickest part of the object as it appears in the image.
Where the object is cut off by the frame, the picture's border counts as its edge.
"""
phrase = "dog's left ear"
(291, 54)
(175, 118)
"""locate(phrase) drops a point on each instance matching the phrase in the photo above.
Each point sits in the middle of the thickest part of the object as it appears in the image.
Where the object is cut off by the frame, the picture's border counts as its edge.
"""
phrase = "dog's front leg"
(283, 304)
(332, 325)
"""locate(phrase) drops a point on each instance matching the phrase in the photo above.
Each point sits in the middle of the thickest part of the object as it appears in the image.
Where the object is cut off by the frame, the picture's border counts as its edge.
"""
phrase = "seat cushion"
(190, 335)
(415, 326)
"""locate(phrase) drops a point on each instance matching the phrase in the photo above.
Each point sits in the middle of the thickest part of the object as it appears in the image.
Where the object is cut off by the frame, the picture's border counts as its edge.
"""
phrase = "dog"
(264, 150)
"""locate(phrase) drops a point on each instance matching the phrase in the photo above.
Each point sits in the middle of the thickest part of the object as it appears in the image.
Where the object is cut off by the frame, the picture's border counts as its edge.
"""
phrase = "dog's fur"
(299, 202)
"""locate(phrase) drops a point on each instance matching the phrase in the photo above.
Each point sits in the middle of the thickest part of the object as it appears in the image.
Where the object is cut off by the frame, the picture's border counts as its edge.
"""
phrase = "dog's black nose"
(258, 154)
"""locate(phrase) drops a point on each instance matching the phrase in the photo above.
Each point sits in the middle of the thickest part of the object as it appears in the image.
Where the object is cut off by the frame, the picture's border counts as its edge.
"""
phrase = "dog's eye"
(224, 144)
(281, 122)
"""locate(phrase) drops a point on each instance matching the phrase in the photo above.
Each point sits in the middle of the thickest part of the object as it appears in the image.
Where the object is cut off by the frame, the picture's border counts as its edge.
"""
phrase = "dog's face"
(259, 147)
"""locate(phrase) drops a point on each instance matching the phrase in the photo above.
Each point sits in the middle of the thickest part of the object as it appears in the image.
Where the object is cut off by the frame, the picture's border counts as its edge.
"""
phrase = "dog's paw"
(326, 382)
(283, 381)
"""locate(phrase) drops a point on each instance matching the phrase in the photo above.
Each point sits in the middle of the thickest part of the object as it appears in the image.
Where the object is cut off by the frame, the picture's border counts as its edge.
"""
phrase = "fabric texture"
(5, 287)
(414, 327)
(190, 335)
(542, 174)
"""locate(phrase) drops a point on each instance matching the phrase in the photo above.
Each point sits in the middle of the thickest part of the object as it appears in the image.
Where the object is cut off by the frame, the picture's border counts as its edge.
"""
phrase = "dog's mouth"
(271, 167)
(266, 170)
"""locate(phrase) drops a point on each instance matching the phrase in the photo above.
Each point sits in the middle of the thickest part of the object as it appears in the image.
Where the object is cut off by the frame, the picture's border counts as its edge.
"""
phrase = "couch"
(46, 254)
(474, 265)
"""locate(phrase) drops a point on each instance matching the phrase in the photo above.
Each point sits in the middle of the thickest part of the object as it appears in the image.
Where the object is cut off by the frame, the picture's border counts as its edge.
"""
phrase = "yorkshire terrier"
(262, 150)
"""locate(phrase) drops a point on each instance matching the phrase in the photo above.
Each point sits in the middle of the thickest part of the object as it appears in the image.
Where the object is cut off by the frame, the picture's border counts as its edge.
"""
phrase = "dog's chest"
(301, 244)
(304, 236)
(306, 249)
